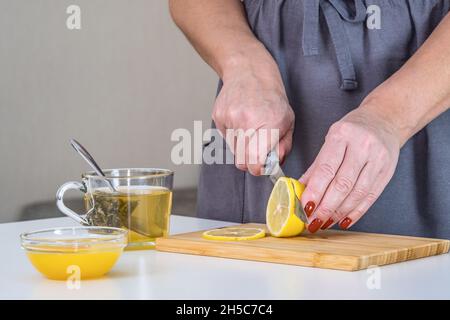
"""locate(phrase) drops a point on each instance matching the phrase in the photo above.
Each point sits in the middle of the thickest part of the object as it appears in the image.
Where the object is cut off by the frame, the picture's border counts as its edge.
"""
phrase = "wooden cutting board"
(331, 249)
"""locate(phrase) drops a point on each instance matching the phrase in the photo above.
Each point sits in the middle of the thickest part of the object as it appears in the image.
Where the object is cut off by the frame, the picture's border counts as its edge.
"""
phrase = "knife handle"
(272, 161)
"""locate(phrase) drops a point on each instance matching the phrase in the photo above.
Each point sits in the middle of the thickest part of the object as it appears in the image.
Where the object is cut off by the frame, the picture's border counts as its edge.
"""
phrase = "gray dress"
(330, 60)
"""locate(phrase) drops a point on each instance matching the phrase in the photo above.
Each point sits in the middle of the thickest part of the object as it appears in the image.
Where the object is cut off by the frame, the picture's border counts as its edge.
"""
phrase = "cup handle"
(75, 185)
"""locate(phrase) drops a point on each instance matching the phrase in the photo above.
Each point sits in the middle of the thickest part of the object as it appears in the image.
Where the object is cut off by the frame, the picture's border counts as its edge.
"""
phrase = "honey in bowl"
(79, 252)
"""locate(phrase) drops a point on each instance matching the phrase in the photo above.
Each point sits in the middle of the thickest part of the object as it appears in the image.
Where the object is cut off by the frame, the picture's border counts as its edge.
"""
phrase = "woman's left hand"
(353, 167)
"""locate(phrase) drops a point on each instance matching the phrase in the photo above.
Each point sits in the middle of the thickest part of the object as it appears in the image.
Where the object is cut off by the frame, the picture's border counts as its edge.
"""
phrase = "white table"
(158, 275)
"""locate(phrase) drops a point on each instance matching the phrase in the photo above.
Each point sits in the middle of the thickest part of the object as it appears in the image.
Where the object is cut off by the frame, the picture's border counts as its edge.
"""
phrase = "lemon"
(280, 214)
(234, 234)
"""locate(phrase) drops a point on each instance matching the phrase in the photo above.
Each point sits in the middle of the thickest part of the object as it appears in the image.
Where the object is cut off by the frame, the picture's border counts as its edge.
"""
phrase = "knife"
(273, 169)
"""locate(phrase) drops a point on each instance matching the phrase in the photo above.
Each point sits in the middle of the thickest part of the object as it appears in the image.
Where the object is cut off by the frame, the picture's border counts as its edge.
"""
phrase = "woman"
(361, 110)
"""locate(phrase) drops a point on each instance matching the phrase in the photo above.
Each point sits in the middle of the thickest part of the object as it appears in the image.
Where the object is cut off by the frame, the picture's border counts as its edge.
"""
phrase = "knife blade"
(273, 169)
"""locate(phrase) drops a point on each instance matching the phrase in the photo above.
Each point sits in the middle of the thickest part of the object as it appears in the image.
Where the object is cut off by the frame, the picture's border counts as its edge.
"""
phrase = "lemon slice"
(234, 234)
(280, 213)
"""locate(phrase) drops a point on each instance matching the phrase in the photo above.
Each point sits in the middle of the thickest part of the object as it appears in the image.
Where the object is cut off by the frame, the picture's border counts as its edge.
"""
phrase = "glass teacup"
(139, 200)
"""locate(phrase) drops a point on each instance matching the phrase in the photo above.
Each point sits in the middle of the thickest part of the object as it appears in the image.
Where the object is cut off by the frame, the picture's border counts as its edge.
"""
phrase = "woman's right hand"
(253, 98)
(253, 95)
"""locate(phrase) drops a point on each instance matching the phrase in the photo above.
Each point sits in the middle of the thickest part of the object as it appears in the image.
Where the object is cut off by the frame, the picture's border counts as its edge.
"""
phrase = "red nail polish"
(309, 208)
(315, 225)
(327, 224)
(345, 223)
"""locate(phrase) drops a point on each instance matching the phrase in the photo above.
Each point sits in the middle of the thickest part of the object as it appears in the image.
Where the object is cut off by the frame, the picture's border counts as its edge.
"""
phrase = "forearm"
(219, 31)
(420, 91)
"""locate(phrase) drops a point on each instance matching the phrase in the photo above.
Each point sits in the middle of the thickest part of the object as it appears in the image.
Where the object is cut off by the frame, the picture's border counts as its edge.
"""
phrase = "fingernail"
(315, 225)
(309, 208)
(327, 224)
(345, 223)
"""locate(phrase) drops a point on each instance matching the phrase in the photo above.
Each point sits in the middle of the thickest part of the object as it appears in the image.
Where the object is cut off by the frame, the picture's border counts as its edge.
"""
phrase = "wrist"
(392, 113)
(251, 59)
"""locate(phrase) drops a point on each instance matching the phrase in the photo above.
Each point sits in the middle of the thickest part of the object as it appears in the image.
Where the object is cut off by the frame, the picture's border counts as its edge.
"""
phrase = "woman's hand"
(253, 103)
(353, 167)
(361, 150)
(253, 96)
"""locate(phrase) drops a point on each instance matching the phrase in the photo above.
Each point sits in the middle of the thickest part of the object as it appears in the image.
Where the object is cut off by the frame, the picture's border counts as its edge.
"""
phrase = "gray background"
(120, 85)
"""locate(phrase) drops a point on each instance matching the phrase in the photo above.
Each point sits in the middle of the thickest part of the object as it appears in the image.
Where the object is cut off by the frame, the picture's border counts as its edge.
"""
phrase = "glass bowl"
(75, 252)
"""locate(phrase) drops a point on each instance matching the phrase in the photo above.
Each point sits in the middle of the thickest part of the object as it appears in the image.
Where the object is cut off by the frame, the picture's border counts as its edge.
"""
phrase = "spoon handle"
(90, 160)
(87, 156)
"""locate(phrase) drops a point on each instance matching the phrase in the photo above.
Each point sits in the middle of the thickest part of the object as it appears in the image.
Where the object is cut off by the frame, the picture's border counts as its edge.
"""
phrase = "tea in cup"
(139, 200)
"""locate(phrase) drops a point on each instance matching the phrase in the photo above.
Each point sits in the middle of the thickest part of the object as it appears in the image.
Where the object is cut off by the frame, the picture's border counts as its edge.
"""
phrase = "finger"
(285, 146)
(261, 144)
(305, 177)
(218, 117)
(240, 151)
(342, 184)
(360, 191)
(256, 151)
(230, 139)
(227, 135)
(367, 202)
(222, 130)
(324, 170)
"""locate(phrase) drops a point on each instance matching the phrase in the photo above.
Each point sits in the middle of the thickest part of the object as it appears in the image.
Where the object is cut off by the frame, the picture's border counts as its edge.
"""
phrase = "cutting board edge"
(439, 246)
(180, 243)
(323, 261)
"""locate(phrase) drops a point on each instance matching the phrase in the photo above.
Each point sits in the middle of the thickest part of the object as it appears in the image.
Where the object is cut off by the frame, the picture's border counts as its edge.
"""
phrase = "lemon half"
(280, 213)
(234, 234)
